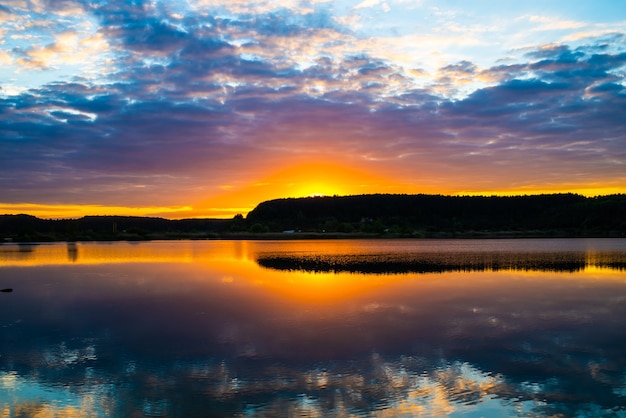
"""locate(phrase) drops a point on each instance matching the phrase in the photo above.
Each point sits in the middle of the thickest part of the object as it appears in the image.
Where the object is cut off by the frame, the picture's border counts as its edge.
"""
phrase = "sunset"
(312, 208)
(189, 109)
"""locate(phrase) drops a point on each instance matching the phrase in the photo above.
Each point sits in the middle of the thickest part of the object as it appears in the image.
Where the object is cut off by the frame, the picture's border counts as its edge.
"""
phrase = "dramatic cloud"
(164, 104)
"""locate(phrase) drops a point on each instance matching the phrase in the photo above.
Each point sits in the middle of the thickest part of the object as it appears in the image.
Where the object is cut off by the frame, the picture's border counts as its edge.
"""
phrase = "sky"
(206, 108)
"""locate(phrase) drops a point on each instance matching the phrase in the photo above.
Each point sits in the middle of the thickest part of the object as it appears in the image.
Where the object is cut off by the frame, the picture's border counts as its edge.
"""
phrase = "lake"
(382, 328)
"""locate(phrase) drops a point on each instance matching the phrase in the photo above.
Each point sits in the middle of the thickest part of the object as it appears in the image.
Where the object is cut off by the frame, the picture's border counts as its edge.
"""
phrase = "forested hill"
(551, 214)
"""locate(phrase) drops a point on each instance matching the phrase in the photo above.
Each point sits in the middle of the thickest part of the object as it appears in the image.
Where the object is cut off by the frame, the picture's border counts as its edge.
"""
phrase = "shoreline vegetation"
(358, 216)
(441, 262)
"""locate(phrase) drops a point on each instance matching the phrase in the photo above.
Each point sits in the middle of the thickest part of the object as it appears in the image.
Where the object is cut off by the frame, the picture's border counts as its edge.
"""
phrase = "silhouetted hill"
(561, 214)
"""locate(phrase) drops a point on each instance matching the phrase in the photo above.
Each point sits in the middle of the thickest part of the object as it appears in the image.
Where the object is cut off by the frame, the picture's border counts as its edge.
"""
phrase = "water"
(479, 328)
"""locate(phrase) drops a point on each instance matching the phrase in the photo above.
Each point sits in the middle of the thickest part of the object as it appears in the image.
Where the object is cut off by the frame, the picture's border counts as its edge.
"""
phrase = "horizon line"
(160, 212)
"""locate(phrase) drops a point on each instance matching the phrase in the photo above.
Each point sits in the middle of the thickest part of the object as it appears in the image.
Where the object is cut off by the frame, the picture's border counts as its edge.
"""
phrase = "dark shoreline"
(297, 236)
(354, 217)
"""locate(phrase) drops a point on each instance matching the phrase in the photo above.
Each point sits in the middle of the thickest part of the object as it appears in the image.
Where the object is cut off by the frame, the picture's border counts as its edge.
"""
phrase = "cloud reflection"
(381, 386)
(127, 336)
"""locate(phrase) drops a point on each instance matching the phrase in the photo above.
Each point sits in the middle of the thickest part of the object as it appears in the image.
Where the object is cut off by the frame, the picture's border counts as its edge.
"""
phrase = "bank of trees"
(25, 228)
(378, 214)
(560, 214)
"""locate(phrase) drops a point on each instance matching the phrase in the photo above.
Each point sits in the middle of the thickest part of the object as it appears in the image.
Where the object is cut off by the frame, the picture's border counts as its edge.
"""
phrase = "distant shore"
(352, 217)
(286, 236)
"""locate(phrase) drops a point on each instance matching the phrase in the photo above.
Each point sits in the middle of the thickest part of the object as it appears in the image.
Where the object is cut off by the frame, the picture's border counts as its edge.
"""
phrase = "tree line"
(377, 214)
(27, 228)
(562, 214)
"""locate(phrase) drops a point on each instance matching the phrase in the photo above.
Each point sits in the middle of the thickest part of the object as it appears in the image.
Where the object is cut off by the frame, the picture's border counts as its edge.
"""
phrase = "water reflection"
(200, 329)
(443, 258)
(72, 252)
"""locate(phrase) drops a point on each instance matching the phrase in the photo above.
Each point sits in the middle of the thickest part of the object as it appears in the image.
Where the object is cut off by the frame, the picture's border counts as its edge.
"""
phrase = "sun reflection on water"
(106, 329)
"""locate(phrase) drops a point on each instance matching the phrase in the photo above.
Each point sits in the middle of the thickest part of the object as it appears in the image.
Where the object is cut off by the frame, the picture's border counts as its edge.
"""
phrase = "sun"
(314, 179)
(304, 179)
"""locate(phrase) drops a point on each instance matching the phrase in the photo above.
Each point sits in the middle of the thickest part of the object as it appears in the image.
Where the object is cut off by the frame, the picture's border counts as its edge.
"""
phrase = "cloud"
(68, 48)
(60, 7)
(191, 103)
(17, 4)
(246, 7)
(5, 58)
(5, 14)
(366, 4)
(545, 23)
(611, 33)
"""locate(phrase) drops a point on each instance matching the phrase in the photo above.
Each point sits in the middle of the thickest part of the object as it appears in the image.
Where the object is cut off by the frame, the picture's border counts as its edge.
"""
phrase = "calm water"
(476, 328)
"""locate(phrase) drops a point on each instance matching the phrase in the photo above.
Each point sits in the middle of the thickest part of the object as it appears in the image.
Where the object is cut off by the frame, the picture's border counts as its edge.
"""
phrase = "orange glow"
(324, 287)
(325, 179)
(78, 211)
(297, 180)
(309, 178)
(232, 263)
